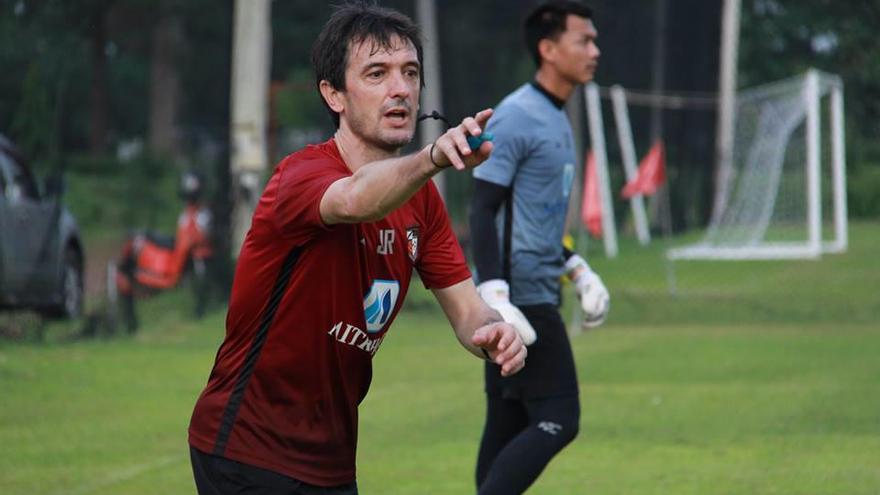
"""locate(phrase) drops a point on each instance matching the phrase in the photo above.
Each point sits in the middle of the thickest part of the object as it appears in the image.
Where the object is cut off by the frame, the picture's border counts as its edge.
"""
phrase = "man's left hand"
(503, 345)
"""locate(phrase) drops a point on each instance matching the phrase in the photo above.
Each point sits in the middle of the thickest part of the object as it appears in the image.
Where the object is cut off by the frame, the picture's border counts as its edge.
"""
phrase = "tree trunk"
(165, 85)
(98, 96)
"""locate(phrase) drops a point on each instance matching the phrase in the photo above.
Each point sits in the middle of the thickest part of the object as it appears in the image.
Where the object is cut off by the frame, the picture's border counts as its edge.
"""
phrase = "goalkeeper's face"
(577, 53)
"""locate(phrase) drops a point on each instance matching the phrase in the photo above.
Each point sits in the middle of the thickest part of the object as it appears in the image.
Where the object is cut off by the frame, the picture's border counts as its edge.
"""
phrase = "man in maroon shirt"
(325, 267)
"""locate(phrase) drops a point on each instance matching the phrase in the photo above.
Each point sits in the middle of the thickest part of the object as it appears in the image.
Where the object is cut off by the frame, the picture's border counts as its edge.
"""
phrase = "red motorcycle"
(151, 262)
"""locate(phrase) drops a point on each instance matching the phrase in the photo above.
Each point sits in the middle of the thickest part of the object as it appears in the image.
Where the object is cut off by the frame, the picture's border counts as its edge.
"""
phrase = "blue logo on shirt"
(567, 179)
(379, 303)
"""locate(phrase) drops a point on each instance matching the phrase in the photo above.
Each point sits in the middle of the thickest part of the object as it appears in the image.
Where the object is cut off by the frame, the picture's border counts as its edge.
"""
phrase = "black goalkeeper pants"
(520, 438)
(531, 415)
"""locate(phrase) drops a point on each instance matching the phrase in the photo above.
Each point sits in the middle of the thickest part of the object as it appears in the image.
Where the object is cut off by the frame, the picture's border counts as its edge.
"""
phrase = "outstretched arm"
(378, 188)
(479, 327)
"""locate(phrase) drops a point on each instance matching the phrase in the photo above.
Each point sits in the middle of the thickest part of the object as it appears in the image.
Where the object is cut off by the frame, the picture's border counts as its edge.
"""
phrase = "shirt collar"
(558, 103)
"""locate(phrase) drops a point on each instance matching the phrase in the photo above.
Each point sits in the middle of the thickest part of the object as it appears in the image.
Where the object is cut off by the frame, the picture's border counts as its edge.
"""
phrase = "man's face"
(576, 55)
(382, 93)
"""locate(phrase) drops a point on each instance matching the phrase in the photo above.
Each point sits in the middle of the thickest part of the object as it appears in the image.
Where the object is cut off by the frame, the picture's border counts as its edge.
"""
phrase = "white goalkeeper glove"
(592, 293)
(496, 293)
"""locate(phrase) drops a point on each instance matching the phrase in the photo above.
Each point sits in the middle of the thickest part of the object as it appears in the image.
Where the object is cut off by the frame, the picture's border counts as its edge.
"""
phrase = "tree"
(167, 42)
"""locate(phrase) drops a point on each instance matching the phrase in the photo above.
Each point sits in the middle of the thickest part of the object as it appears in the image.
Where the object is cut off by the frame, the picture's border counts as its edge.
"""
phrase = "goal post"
(597, 146)
(774, 201)
(838, 163)
(784, 195)
(628, 155)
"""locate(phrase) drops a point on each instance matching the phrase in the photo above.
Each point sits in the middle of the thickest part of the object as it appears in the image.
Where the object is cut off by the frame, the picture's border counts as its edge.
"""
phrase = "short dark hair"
(547, 21)
(352, 23)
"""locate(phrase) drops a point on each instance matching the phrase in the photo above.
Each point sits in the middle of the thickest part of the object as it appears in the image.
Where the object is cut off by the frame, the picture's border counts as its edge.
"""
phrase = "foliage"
(58, 36)
(298, 104)
(142, 190)
(32, 115)
(47, 52)
(40, 55)
(785, 37)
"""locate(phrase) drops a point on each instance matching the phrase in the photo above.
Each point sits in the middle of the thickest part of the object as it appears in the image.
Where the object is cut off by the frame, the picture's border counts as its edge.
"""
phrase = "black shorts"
(549, 370)
(216, 475)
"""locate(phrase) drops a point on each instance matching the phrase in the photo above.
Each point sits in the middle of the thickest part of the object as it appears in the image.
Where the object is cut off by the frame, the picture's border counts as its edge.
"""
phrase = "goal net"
(782, 192)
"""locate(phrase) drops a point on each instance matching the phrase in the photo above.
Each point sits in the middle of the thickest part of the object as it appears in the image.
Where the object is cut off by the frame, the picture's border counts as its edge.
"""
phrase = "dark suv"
(41, 255)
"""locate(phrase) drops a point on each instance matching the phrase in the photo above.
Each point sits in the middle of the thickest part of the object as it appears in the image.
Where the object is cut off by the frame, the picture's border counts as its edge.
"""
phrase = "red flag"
(591, 207)
(651, 173)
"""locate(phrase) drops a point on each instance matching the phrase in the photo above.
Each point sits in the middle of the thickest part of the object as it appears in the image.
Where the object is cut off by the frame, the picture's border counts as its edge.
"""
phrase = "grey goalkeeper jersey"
(534, 155)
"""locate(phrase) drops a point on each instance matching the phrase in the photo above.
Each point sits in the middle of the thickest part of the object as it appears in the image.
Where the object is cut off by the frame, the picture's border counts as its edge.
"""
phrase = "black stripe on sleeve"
(266, 318)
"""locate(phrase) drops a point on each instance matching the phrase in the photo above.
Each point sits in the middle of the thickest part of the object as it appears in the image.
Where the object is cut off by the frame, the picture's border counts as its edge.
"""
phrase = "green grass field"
(758, 378)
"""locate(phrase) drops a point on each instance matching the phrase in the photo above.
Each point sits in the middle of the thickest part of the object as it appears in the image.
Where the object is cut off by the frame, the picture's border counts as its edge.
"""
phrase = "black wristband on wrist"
(431, 156)
(566, 254)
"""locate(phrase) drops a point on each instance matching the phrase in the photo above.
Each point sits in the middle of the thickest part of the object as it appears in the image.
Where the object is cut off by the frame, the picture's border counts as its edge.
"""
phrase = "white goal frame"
(813, 246)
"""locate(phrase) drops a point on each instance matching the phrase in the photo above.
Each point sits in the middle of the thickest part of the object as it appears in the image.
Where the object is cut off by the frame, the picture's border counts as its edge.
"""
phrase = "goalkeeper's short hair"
(547, 21)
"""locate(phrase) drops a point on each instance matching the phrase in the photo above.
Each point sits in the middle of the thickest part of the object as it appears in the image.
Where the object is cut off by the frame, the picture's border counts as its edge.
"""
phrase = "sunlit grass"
(758, 378)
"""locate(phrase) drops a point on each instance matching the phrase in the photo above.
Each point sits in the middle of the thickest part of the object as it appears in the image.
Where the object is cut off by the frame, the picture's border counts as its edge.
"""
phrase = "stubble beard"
(372, 134)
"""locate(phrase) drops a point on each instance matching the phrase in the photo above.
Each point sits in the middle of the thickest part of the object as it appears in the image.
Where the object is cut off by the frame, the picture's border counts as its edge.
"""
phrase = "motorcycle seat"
(161, 240)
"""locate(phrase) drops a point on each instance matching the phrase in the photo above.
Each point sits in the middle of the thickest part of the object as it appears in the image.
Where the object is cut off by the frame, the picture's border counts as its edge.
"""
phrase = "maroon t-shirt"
(310, 306)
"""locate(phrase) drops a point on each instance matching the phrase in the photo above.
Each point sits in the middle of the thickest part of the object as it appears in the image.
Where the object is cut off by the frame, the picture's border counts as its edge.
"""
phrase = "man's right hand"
(496, 294)
(452, 148)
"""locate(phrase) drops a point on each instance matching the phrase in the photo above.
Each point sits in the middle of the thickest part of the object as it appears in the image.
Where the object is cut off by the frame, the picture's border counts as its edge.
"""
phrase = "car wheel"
(72, 285)
(70, 304)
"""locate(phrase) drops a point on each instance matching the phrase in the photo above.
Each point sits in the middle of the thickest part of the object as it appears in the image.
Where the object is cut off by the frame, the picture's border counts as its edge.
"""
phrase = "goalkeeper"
(517, 219)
